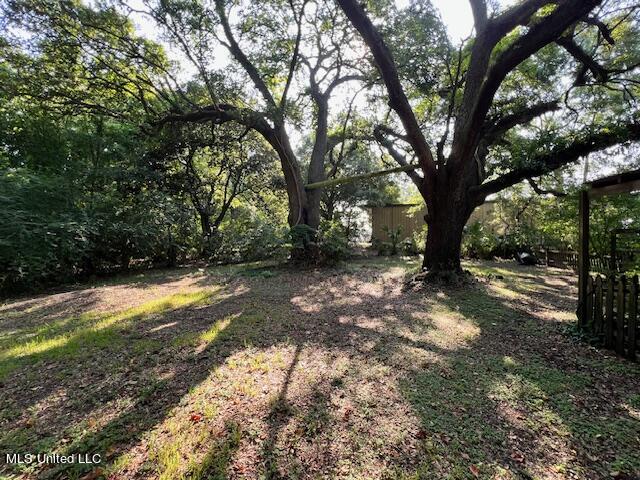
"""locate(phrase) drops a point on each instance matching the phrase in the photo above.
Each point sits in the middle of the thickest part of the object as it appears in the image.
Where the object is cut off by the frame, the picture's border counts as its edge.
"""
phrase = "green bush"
(50, 232)
(248, 237)
(408, 247)
(390, 247)
(384, 248)
(333, 242)
(478, 242)
(327, 245)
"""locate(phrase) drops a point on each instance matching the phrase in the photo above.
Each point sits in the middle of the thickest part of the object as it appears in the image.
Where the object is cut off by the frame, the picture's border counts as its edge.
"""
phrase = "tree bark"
(316, 164)
(453, 187)
(296, 193)
(447, 215)
(442, 248)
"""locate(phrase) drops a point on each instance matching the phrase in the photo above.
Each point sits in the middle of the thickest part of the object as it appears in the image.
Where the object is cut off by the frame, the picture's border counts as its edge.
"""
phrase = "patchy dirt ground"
(259, 372)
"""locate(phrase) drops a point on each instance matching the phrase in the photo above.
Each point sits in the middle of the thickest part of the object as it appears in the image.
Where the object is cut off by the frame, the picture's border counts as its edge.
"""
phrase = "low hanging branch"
(366, 176)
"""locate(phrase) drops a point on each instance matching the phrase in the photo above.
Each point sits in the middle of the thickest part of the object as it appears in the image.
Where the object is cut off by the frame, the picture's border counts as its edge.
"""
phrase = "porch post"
(583, 258)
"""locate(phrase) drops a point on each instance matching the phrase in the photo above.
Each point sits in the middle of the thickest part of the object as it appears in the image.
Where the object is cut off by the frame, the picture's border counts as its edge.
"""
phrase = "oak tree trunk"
(444, 239)
(449, 207)
(211, 237)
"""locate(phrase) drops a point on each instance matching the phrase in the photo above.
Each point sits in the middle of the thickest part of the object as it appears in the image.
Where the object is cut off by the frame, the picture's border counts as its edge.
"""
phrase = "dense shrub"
(414, 245)
(327, 245)
(392, 245)
(333, 242)
(478, 241)
(51, 232)
(249, 235)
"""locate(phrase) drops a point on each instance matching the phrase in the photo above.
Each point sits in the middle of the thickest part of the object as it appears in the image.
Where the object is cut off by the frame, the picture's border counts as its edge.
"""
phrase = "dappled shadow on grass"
(108, 378)
(521, 400)
(91, 386)
(328, 374)
(17, 314)
(545, 288)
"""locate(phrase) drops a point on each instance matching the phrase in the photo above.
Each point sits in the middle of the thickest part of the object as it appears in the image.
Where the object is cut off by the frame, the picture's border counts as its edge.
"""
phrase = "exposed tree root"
(449, 278)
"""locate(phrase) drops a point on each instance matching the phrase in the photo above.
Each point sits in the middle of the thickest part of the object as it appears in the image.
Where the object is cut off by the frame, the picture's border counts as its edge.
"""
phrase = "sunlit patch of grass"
(211, 334)
(509, 362)
(405, 263)
(92, 331)
(120, 463)
(247, 387)
(213, 466)
(503, 290)
(564, 316)
(489, 270)
(176, 456)
(168, 458)
(202, 339)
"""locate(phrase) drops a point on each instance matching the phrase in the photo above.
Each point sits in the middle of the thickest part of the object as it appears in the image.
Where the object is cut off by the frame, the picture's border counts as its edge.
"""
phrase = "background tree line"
(156, 149)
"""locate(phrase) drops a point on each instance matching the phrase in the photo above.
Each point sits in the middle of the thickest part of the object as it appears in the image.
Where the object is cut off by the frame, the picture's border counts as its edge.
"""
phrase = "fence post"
(588, 321)
(620, 315)
(597, 307)
(608, 324)
(633, 317)
(583, 263)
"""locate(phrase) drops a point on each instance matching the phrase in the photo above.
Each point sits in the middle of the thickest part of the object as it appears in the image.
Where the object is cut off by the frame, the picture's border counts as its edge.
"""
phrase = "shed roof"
(618, 183)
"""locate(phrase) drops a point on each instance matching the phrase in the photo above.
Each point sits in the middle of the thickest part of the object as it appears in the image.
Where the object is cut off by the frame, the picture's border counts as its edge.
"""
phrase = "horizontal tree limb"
(549, 161)
(366, 176)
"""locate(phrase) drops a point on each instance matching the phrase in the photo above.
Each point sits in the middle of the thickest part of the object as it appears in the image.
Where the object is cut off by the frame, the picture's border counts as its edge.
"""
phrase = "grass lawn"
(260, 372)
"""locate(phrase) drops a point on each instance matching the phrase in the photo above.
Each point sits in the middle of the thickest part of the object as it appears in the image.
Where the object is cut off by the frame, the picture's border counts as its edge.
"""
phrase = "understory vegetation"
(521, 222)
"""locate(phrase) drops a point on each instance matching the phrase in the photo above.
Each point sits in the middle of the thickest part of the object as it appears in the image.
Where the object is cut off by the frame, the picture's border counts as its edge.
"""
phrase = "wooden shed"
(410, 217)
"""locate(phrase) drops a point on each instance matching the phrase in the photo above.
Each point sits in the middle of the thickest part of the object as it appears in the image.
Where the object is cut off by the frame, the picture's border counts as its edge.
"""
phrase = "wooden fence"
(568, 259)
(611, 312)
(560, 259)
(597, 263)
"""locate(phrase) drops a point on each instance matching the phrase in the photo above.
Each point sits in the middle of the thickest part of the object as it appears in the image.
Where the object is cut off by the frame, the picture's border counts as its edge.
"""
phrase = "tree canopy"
(197, 99)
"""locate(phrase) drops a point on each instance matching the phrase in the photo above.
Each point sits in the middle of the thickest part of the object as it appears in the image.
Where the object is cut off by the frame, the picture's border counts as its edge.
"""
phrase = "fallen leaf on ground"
(518, 457)
(93, 474)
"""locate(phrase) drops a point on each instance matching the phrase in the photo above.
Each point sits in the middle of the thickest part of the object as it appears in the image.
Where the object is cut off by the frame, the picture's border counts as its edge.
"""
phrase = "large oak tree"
(269, 67)
(539, 85)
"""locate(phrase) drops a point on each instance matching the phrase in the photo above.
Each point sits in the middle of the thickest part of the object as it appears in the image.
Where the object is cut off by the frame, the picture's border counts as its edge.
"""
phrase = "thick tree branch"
(495, 128)
(519, 14)
(538, 36)
(605, 31)
(295, 55)
(221, 113)
(340, 80)
(242, 59)
(397, 99)
(542, 191)
(479, 10)
(561, 156)
(599, 73)
(398, 157)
